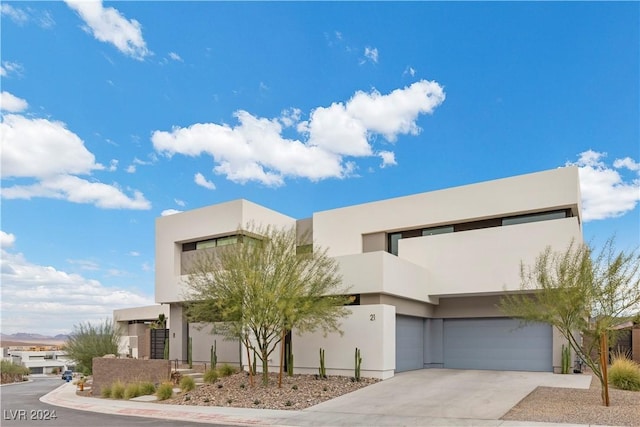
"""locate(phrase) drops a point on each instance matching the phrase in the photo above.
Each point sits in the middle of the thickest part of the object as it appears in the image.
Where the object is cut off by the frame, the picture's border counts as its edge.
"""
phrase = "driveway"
(448, 393)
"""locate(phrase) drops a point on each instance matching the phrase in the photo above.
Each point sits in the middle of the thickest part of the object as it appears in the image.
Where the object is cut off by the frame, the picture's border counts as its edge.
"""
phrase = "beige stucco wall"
(228, 351)
(371, 328)
(341, 230)
(485, 260)
(200, 224)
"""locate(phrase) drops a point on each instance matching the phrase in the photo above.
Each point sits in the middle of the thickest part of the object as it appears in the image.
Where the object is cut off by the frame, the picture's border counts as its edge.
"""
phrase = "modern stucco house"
(427, 270)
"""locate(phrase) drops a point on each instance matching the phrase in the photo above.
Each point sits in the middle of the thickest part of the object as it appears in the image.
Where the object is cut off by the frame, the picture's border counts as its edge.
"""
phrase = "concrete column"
(178, 333)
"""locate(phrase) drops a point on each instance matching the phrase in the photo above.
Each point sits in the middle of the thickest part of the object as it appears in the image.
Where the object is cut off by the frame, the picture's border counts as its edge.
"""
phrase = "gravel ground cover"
(297, 392)
(578, 406)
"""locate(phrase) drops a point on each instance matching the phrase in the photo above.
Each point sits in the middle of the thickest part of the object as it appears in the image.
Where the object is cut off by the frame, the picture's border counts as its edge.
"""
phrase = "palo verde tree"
(91, 340)
(261, 286)
(582, 294)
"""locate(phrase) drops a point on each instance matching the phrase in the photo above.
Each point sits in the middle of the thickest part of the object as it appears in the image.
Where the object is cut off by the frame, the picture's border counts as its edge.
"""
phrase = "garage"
(409, 343)
(497, 344)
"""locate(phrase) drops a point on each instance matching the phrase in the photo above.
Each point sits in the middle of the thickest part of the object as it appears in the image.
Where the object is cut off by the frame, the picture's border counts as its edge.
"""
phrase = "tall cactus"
(190, 353)
(214, 355)
(321, 370)
(166, 349)
(290, 364)
(358, 360)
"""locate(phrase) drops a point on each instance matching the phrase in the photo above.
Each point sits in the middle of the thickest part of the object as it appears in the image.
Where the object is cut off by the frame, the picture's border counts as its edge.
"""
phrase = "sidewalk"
(65, 396)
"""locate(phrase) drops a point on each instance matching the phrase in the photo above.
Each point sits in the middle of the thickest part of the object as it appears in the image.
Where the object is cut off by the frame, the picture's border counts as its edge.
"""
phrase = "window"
(437, 230)
(393, 242)
(206, 244)
(543, 216)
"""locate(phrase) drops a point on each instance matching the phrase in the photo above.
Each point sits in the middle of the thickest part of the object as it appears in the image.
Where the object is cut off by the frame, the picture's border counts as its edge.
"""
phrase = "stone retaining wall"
(106, 371)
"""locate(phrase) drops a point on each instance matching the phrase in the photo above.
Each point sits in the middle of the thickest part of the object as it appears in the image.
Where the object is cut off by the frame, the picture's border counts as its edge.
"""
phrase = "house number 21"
(372, 317)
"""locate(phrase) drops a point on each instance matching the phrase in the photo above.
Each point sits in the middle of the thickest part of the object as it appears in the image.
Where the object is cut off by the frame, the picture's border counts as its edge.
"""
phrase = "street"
(20, 406)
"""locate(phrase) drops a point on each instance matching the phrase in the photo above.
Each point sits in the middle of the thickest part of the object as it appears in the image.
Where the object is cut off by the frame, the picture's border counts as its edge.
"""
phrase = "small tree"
(580, 294)
(261, 287)
(88, 341)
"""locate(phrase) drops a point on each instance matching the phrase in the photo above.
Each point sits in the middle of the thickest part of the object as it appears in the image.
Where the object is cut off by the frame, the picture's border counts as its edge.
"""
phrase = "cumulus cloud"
(371, 53)
(6, 239)
(55, 175)
(47, 300)
(11, 103)
(108, 25)
(256, 150)
(606, 193)
(388, 158)
(169, 212)
(203, 182)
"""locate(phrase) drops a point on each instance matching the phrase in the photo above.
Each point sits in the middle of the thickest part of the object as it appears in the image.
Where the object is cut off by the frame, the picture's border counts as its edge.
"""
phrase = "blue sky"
(116, 113)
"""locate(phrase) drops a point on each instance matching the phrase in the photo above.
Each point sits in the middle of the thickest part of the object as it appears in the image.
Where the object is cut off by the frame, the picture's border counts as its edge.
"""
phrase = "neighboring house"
(427, 271)
(135, 325)
(39, 361)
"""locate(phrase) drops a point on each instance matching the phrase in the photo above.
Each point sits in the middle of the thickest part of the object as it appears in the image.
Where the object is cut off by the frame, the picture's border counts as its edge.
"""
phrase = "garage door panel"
(409, 343)
(497, 344)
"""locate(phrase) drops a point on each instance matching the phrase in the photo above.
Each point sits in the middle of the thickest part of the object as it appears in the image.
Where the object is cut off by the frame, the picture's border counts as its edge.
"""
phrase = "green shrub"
(625, 374)
(132, 390)
(164, 391)
(117, 390)
(226, 370)
(210, 376)
(147, 388)
(187, 384)
(106, 391)
(10, 368)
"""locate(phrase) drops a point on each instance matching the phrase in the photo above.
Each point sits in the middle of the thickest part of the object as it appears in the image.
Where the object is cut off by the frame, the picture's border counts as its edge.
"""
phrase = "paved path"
(433, 397)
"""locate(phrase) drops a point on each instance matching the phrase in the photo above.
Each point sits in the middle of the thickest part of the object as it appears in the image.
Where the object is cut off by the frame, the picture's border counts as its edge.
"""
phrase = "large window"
(394, 237)
(217, 242)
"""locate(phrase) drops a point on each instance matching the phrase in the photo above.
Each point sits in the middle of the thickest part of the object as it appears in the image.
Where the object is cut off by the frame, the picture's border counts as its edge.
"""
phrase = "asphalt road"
(21, 406)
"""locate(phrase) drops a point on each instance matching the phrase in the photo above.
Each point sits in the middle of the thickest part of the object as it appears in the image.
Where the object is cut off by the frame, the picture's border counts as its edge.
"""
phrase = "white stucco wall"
(341, 230)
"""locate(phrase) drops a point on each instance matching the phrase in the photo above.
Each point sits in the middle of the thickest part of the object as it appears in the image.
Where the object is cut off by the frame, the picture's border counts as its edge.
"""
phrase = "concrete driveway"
(448, 393)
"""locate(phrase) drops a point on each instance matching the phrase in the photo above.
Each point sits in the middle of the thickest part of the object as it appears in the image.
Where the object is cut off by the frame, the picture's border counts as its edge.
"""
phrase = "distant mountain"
(24, 337)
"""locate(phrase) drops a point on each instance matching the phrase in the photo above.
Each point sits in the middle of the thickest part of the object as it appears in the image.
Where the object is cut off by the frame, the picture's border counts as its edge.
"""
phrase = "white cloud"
(605, 193)
(6, 239)
(43, 299)
(180, 202)
(17, 15)
(409, 71)
(113, 165)
(627, 163)
(388, 158)
(11, 103)
(371, 53)
(53, 156)
(203, 182)
(131, 169)
(175, 57)
(108, 25)
(8, 68)
(169, 212)
(22, 16)
(256, 150)
(134, 253)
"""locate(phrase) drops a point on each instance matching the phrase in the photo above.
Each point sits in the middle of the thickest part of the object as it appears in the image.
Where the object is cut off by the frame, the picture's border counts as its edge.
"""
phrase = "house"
(427, 271)
(135, 326)
(40, 361)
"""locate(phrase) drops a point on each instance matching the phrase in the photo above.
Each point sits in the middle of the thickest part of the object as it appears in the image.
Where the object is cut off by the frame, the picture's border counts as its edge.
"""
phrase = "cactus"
(566, 359)
(358, 360)
(321, 370)
(166, 349)
(190, 353)
(214, 355)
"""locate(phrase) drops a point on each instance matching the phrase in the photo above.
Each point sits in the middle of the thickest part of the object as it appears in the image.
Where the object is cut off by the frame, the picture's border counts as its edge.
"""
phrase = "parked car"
(67, 375)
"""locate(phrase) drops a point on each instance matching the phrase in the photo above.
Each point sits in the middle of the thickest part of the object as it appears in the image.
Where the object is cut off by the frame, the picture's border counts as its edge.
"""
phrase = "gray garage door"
(497, 344)
(409, 343)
